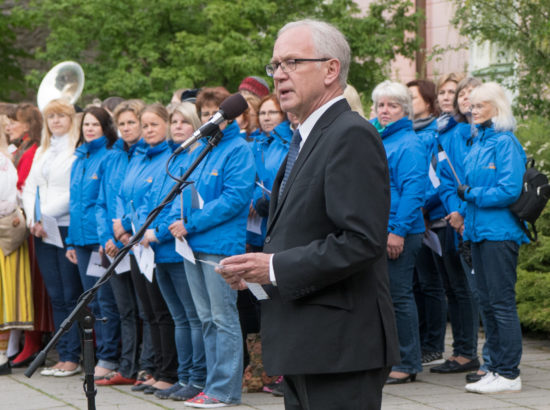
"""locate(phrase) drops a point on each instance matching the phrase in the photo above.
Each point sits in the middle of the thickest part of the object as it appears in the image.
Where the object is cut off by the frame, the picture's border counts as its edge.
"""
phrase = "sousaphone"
(65, 80)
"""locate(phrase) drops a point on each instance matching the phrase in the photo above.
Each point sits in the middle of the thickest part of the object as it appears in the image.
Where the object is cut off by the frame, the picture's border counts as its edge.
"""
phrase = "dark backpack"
(535, 193)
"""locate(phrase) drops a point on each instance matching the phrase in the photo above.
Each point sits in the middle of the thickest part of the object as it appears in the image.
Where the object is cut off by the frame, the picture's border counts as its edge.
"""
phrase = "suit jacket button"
(267, 239)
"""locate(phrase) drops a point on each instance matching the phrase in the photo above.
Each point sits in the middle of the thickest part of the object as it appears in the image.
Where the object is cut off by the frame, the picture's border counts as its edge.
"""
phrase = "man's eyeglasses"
(289, 65)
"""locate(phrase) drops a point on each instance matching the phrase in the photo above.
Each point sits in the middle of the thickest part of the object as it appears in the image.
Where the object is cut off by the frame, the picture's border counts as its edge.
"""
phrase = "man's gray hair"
(328, 41)
(396, 92)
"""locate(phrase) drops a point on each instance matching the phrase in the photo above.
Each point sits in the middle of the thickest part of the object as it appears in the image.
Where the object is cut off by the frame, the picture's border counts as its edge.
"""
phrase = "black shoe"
(401, 380)
(139, 387)
(278, 390)
(474, 377)
(5, 369)
(150, 390)
(452, 366)
(25, 362)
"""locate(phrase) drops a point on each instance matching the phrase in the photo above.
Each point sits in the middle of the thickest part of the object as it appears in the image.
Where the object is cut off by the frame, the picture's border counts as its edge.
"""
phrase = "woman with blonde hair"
(142, 173)
(132, 367)
(16, 309)
(46, 193)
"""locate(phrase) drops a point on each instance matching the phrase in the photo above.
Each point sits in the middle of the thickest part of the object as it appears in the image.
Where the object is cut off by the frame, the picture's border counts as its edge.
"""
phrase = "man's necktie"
(293, 151)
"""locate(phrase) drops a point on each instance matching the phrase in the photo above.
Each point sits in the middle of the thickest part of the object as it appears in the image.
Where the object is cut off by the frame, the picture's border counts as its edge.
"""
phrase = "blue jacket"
(165, 251)
(113, 175)
(456, 149)
(86, 175)
(428, 136)
(494, 170)
(408, 170)
(143, 168)
(269, 153)
(225, 181)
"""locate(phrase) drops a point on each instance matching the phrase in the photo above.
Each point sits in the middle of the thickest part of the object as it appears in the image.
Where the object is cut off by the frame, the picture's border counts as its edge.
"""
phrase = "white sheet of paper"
(196, 199)
(264, 189)
(433, 177)
(254, 224)
(431, 240)
(183, 248)
(94, 266)
(211, 263)
(146, 262)
(53, 237)
(123, 266)
(257, 290)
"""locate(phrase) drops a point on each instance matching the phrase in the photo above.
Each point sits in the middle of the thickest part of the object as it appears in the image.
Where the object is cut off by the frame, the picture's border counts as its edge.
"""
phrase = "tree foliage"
(11, 75)
(522, 27)
(140, 48)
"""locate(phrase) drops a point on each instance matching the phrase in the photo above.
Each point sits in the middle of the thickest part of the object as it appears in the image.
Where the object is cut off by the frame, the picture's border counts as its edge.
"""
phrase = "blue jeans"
(63, 285)
(460, 302)
(495, 274)
(470, 275)
(174, 287)
(103, 305)
(401, 288)
(216, 305)
(432, 305)
(125, 296)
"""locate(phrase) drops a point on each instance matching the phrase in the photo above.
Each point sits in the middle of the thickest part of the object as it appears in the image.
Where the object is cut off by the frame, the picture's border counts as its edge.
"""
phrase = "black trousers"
(335, 391)
(161, 324)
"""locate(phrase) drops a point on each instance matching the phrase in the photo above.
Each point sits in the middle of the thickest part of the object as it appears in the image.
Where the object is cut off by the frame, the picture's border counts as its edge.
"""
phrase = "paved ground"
(430, 391)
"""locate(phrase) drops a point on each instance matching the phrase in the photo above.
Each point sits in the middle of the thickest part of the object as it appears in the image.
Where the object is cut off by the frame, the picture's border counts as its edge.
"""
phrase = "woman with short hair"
(494, 170)
(216, 227)
(126, 118)
(408, 170)
(170, 271)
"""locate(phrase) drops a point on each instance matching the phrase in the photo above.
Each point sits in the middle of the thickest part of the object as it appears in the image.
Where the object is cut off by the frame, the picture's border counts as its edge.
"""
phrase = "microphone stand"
(83, 314)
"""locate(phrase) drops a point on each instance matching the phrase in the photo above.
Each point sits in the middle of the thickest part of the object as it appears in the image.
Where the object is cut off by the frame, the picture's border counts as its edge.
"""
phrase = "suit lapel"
(314, 137)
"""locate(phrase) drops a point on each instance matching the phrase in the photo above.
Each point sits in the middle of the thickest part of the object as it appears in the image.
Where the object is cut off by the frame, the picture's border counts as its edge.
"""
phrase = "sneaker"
(188, 392)
(430, 358)
(473, 387)
(497, 384)
(202, 401)
(165, 393)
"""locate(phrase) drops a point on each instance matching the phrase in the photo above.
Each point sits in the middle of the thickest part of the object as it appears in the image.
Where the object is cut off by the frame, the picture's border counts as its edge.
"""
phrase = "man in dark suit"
(328, 325)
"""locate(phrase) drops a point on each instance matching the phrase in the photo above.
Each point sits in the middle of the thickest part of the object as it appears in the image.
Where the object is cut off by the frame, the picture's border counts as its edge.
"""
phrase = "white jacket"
(8, 188)
(51, 172)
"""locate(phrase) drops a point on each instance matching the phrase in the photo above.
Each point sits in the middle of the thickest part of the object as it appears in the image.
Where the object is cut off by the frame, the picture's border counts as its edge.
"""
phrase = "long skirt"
(16, 303)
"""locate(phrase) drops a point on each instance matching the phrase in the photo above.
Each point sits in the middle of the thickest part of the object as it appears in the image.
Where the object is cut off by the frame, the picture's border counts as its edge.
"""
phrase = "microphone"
(230, 108)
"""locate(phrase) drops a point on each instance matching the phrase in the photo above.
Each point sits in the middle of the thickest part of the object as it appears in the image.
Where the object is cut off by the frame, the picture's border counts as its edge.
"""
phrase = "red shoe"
(114, 380)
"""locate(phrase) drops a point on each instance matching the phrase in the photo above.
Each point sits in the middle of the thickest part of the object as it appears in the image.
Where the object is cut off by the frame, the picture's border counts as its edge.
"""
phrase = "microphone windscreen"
(233, 106)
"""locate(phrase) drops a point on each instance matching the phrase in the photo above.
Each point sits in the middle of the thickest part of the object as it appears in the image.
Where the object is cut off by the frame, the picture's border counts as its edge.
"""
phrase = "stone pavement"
(430, 391)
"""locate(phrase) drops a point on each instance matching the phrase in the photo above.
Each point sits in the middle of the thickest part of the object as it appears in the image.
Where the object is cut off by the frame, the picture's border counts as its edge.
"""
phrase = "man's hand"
(249, 267)
(395, 245)
(456, 221)
(177, 229)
